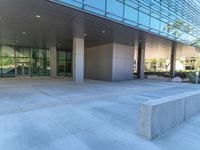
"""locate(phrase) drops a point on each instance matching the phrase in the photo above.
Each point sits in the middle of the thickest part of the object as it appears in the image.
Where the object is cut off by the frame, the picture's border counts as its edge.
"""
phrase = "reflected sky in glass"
(150, 15)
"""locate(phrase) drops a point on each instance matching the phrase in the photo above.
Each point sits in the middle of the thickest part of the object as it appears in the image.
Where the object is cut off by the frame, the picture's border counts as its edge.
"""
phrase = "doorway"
(23, 69)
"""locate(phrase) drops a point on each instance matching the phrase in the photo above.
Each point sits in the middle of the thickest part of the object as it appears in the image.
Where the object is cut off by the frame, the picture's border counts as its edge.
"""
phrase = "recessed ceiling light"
(84, 34)
(23, 33)
(103, 31)
(38, 16)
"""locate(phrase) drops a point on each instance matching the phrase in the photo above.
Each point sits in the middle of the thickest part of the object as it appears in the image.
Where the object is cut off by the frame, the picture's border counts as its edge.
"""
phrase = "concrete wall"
(157, 48)
(123, 57)
(158, 116)
(186, 51)
(53, 61)
(111, 62)
(78, 59)
(183, 52)
(192, 103)
(98, 62)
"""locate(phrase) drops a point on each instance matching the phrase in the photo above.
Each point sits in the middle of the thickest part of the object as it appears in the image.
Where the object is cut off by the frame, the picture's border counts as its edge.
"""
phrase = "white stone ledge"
(160, 115)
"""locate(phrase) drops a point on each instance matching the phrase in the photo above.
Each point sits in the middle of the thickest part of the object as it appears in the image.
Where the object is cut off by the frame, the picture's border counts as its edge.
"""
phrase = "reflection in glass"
(40, 62)
(22, 55)
(22, 52)
(34, 62)
(63, 63)
(95, 6)
(155, 24)
(131, 15)
(0, 66)
(23, 69)
(26, 69)
(18, 61)
(7, 51)
(19, 69)
(7, 61)
(8, 67)
(115, 9)
(76, 3)
(144, 19)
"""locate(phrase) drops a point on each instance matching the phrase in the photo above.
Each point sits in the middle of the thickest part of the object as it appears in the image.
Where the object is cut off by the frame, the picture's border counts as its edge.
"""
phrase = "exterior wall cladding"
(177, 20)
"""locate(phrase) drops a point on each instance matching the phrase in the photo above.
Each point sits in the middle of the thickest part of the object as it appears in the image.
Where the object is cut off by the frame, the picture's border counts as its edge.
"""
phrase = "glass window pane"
(133, 4)
(0, 67)
(61, 68)
(69, 63)
(76, 3)
(22, 52)
(19, 59)
(164, 27)
(40, 62)
(69, 56)
(8, 67)
(131, 13)
(43, 54)
(64, 63)
(43, 63)
(43, 66)
(145, 10)
(34, 62)
(95, 6)
(144, 19)
(7, 51)
(61, 55)
(115, 9)
(69, 68)
(0, 64)
(155, 24)
(61, 63)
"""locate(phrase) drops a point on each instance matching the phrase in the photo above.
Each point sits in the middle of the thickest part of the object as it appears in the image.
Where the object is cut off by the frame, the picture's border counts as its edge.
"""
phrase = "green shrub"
(191, 76)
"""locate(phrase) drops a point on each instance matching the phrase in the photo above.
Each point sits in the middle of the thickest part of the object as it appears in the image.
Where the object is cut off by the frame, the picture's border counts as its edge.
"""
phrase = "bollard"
(197, 77)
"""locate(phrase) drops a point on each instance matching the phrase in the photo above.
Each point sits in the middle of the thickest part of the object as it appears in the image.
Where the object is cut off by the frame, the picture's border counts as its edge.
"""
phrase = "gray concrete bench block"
(192, 105)
(159, 116)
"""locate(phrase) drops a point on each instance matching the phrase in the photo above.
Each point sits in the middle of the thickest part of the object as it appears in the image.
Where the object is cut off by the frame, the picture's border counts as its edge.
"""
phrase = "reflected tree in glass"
(178, 28)
(196, 43)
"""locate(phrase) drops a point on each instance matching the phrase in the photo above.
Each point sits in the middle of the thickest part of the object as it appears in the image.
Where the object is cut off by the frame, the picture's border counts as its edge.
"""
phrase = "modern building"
(98, 39)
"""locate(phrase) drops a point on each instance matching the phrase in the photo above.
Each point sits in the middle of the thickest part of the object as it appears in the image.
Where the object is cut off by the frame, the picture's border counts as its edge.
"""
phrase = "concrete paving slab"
(44, 114)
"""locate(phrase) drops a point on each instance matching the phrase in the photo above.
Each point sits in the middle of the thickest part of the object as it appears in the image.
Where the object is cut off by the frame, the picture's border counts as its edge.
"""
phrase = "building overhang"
(41, 23)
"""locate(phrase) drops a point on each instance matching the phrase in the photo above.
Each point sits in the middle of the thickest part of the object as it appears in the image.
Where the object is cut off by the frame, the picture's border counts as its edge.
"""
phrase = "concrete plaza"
(58, 114)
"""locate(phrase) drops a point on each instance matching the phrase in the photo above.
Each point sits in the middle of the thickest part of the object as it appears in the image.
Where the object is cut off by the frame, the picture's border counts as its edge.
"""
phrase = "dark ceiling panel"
(57, 25)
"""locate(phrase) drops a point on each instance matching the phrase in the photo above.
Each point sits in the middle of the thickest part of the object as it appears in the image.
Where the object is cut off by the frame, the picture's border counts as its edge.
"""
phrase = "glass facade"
(64, 63)
(21, 62)
(40, 62)
(174, 19)
(32, 62)
(7, 61)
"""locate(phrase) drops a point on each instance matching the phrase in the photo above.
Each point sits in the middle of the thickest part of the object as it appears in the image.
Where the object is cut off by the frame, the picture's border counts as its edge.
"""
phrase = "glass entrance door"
(19, 69)
(23, 69)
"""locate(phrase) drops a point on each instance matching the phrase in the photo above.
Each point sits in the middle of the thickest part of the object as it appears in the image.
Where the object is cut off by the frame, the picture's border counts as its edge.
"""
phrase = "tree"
(163, 64)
